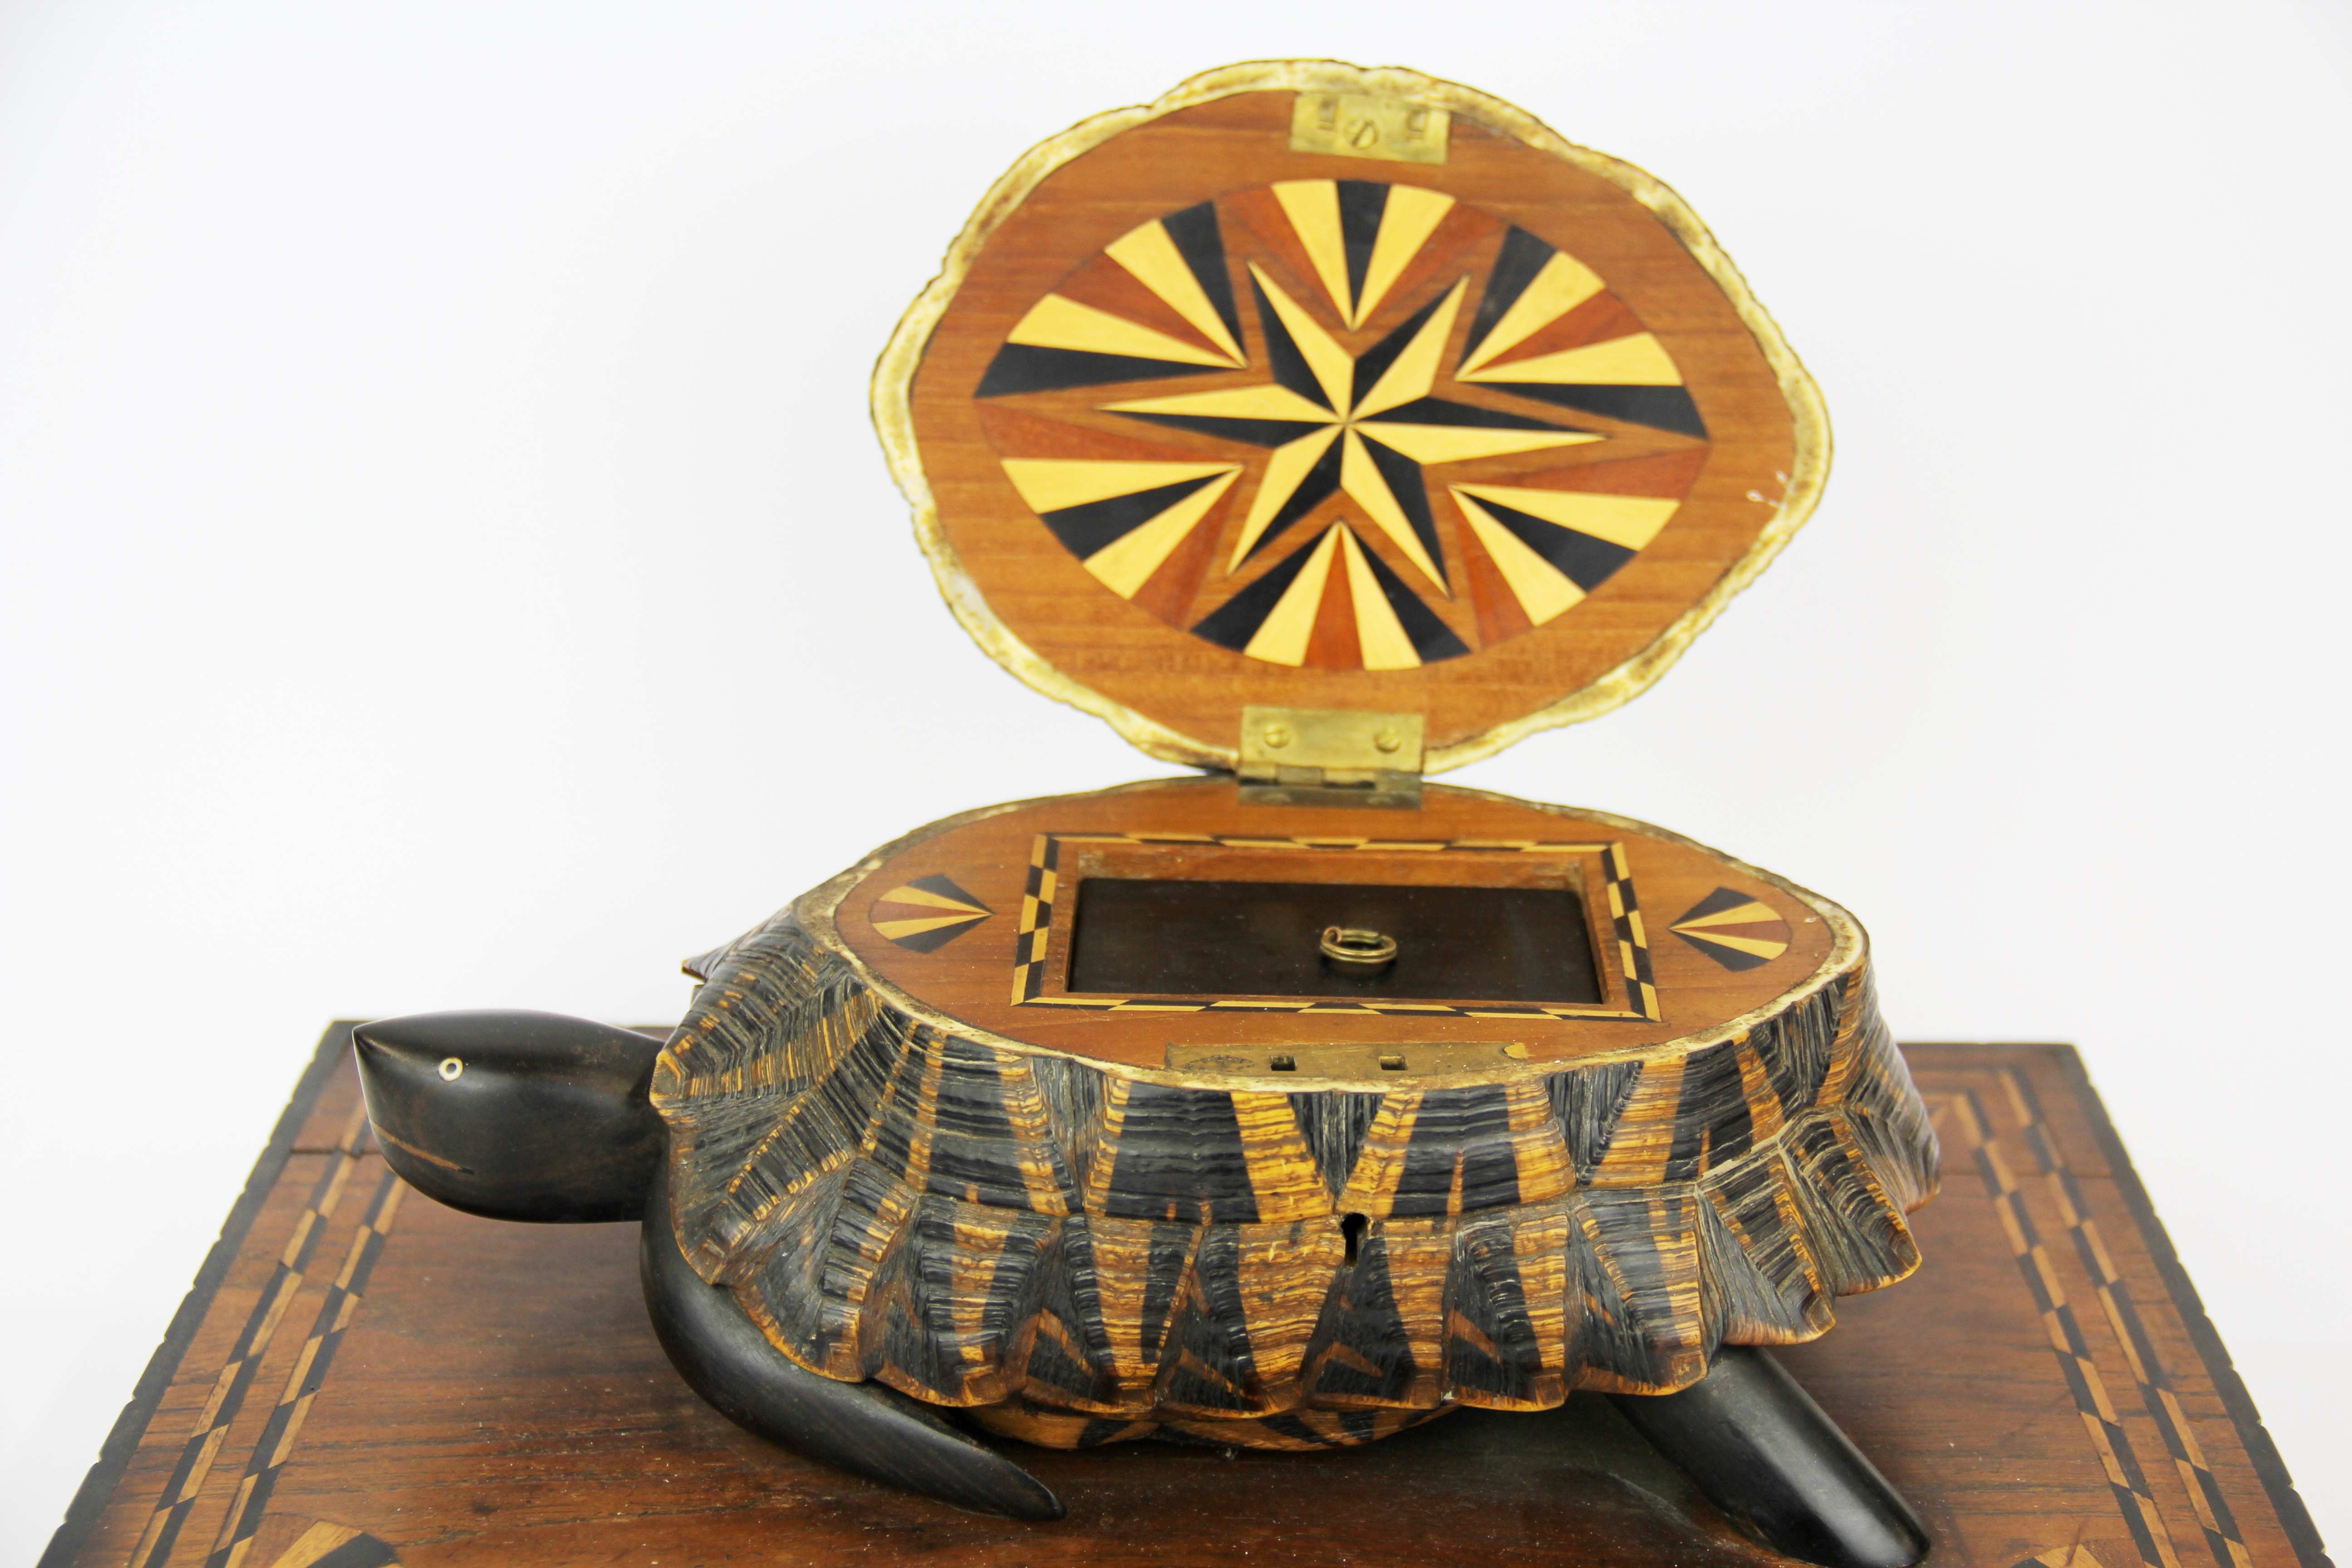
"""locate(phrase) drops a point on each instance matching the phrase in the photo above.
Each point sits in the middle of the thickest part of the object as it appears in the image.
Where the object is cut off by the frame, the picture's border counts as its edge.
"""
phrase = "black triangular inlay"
(1235, 622)
(1382, 354)
(1202, 245)
(1581, 558)
(1249, 432)
(1320, 481)
(1515, 266)
(1361, 203)
(1432, 638)
(1283, 359)
(1715, 903)
(1089, 528)
(1660, 407)
(1731, 958)
(1404, 481)
(1437, 411)
(945, 889)
(360, 1552)
(1024, 367)
(938, 937)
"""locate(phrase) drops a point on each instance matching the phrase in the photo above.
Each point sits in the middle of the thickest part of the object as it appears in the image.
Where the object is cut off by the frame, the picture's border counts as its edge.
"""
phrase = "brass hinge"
(1361, 125)
(1331, 756)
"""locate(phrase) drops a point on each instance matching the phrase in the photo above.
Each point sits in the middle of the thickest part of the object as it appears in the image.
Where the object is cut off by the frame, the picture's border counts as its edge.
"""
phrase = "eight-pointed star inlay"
(1362, 425)
(1347, 422)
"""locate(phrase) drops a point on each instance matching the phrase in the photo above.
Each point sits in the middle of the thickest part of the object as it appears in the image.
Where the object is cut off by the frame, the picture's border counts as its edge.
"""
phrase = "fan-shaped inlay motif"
(1736, 930)
(927, 913)
(1342, 424)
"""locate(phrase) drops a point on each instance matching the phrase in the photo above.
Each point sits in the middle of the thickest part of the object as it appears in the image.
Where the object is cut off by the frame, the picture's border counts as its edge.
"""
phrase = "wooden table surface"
(361, 1377)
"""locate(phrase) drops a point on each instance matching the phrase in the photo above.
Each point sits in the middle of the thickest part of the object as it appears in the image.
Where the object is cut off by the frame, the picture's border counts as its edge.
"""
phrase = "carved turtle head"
(514, 1115)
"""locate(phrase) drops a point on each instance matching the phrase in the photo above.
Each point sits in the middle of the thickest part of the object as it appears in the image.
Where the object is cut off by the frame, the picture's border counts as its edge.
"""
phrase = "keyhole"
(1351, 1231)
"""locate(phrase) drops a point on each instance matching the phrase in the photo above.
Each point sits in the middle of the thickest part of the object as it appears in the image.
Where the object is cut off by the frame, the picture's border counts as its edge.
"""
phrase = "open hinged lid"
(1308, 387)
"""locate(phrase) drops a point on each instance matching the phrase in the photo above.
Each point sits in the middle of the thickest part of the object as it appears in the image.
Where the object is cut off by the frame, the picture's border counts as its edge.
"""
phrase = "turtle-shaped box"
(1321, 427)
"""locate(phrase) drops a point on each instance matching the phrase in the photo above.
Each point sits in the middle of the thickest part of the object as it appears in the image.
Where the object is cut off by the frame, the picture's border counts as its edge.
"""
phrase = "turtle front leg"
(1765, 1454)
(864, 1428)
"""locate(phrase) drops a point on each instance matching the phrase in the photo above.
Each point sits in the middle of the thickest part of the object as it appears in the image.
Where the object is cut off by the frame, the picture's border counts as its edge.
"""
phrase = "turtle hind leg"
(862, 1427)
(1765, 1454)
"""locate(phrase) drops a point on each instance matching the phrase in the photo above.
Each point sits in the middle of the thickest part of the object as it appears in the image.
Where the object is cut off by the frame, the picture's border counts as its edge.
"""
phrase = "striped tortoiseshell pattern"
(1081, 1257)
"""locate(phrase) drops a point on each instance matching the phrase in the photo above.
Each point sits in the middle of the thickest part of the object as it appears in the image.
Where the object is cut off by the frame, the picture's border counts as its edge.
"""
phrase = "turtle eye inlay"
(450, 1067)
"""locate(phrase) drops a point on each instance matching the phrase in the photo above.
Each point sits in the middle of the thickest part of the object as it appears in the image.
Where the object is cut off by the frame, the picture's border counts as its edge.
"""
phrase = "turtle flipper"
(1765, 1454)
(513, 1115)
(863, 1428)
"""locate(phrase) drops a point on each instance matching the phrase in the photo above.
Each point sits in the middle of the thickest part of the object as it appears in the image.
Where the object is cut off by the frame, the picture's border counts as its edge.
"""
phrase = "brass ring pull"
(1357, 950)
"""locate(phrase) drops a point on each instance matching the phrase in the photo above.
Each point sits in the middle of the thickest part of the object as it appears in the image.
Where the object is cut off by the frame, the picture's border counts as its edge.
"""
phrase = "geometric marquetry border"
(2135, 1499)
(1031, 945)
(295, 1268)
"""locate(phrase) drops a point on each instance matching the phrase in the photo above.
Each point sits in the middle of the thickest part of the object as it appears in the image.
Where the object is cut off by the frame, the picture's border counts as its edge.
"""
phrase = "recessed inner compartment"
(1218, 938)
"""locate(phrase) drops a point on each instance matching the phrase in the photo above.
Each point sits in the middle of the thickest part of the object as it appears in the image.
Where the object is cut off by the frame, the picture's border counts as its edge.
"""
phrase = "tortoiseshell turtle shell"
(1074, 1250)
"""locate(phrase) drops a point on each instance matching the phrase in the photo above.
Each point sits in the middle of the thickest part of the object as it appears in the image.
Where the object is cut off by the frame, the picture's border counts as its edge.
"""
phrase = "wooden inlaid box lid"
(1319, 388)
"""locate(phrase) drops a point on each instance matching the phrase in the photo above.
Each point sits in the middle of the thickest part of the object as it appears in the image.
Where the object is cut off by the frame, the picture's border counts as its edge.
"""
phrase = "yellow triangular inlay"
(1749, 913)
(897, 929)
(1414, 372)
(1411, 216)
(1313, 208)
(315, 1544)
(1127, 563)
(1152, 259)
(1627, 521)
(1455, 443)
(1542, 590)
(2075, 1556)
(913, 895)
(1378, 633)
(1055, 323)
(1364, 485)
(1051, 484)
(1267, 402)
(1333, 370)
(1562, 285)
(1283, 636)
(1288, 465)
(1747, 944)
(1637, 361)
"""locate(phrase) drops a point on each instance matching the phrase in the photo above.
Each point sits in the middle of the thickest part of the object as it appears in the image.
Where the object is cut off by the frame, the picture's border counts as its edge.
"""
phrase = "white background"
(447, 562)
